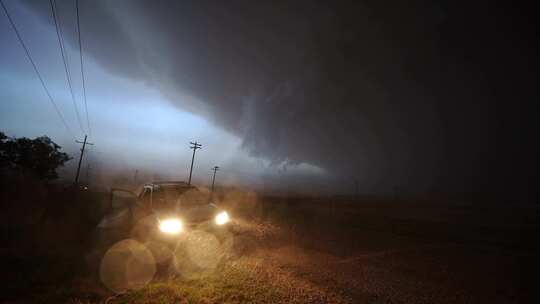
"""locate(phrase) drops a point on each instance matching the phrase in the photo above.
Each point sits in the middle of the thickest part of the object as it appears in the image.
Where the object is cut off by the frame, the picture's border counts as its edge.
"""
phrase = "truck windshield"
(174, 196)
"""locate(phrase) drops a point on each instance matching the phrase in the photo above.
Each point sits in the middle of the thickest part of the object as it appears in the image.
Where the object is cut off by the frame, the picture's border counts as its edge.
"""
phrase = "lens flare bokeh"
(127, 265)
(196, 252)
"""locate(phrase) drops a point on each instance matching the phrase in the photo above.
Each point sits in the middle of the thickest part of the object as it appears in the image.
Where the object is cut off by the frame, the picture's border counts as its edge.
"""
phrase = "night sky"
(419, 96)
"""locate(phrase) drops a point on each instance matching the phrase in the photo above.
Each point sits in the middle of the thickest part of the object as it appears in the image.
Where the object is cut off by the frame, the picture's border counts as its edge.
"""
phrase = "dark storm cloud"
(419, 95)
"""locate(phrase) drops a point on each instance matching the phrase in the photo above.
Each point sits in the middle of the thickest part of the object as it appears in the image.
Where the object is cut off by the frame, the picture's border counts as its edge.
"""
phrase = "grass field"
(326, 250)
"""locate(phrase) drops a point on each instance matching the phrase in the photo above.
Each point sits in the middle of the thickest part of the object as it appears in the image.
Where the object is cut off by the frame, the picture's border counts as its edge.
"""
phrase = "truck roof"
(169, 182)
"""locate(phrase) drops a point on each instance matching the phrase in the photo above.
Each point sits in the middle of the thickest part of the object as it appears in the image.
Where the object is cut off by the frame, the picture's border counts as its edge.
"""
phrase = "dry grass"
(345, 252)
(244, 281)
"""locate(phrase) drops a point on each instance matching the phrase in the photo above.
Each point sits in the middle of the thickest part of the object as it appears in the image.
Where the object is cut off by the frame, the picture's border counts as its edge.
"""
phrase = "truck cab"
(163, 209)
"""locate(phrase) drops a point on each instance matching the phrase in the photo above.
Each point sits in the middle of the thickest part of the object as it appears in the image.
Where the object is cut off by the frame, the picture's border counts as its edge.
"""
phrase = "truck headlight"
(222, 218)
(172, 226)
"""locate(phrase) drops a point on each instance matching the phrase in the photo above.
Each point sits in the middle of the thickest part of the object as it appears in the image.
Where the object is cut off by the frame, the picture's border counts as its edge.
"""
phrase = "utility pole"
(88, 174)
(215, 169)
(194, 145)
(81, 157)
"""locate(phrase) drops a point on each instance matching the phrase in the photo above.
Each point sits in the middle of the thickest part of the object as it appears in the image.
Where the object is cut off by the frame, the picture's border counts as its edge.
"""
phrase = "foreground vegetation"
(244, 281)
(293, 250)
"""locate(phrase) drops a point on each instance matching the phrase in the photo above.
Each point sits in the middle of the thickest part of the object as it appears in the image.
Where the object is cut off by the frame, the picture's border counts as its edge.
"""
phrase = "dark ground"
(291, 250)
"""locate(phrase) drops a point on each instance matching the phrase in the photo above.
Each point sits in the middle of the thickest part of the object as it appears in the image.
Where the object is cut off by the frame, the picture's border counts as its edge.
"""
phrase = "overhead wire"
(64, 60)
(82, 68)
(29, 57)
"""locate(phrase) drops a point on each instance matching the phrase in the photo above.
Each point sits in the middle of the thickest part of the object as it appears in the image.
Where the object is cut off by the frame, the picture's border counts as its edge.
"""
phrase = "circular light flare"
(127, 265)
(222, 218)
(171, 226)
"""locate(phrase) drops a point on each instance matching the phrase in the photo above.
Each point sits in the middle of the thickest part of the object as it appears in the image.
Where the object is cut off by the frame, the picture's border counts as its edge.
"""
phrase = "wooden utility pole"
(84, 143)
(88, 174)
(215, 169)
(194, 145)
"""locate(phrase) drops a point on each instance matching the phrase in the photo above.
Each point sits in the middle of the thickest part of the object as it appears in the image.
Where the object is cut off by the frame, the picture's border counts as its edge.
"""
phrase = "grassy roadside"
(371, 252)
(246, 280)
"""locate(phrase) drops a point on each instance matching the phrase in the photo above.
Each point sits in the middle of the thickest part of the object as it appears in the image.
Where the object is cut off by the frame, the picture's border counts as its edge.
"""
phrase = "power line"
(64, 59)
(215, 169)
(82, 67)
(36, 70)
(193, 145)
(84, 143)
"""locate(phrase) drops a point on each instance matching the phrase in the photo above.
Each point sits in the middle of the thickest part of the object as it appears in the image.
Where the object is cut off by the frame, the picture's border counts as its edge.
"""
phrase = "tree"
(40, 156)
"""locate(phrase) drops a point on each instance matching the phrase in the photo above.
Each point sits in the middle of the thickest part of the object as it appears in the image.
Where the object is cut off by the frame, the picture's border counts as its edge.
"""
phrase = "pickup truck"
(164, 211)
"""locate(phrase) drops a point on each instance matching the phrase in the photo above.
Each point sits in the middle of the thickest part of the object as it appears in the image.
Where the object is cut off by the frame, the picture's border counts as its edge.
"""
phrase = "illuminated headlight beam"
(172, 226)
(222, 218)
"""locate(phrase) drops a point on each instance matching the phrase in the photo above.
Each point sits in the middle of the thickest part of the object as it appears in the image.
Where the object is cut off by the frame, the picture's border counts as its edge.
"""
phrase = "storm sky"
(408, 95)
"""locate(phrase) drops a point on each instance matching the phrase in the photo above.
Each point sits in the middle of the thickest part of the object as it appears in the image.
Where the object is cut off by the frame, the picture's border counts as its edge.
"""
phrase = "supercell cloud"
(383, 93)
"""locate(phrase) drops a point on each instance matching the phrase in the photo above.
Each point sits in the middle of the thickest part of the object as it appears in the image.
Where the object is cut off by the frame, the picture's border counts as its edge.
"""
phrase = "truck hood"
(192, 215)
